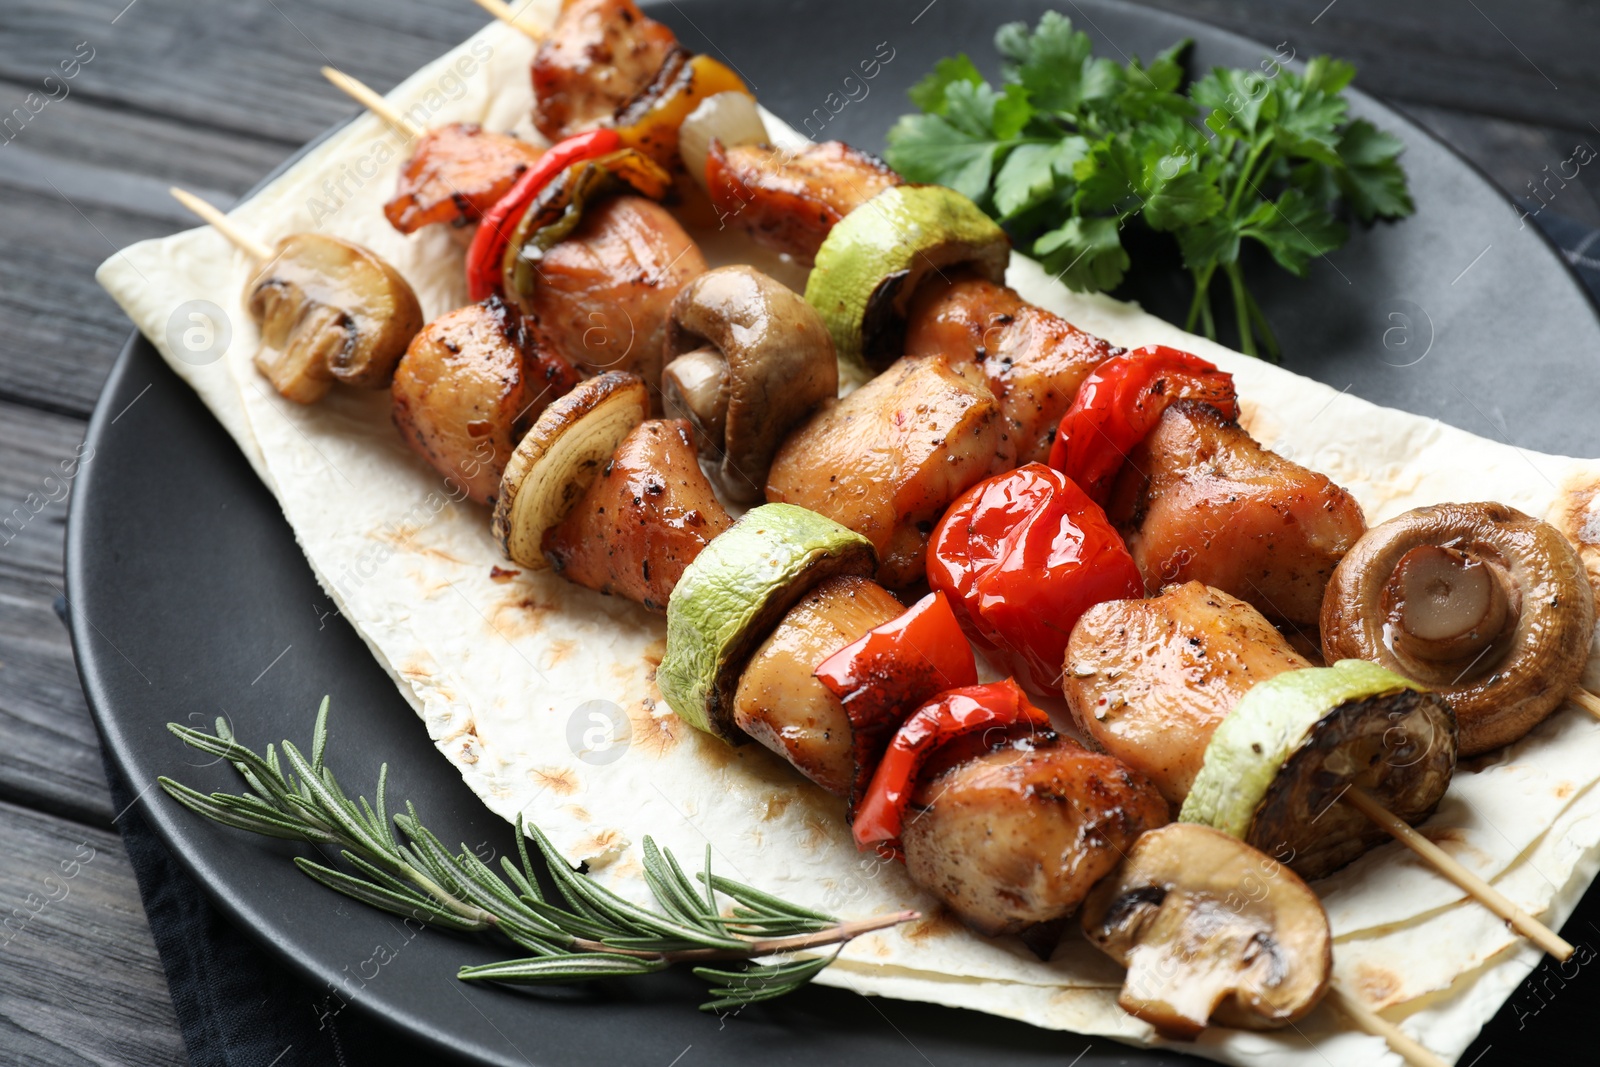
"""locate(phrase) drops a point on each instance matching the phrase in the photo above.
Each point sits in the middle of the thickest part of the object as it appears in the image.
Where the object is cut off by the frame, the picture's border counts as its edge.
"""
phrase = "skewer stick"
(369, 98)
(1586, 700)
(1408, 1047)
(1475, 887)
(505, 14)
(222, 224)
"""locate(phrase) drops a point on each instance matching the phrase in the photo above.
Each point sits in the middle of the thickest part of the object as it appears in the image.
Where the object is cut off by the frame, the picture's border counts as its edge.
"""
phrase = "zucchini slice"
(734, 593)
(1278, 764)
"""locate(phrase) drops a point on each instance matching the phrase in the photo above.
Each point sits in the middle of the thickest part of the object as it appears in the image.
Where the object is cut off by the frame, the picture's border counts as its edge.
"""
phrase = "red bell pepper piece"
(891, 669)
(1022, 555)
(1122, 401)
(991, 711)
(487, 251)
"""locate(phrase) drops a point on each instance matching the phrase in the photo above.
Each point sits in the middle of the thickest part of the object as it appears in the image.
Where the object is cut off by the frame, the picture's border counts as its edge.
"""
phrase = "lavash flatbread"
(515, 681)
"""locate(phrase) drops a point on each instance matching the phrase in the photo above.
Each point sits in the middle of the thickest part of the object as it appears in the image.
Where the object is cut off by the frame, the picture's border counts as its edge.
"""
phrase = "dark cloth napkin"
(239, 1007)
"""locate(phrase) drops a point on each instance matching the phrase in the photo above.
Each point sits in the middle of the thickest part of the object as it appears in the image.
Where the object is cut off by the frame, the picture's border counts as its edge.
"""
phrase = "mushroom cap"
(560, 456)
(1209, 928)
(330, 310)
(780, 365)
(1528, 671)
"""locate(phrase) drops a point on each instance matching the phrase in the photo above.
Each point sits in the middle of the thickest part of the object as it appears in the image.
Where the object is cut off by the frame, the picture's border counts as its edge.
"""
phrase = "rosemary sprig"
(583, 933)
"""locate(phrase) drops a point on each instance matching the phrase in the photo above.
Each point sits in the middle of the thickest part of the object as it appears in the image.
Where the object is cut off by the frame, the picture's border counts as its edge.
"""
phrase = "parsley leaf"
(1070, 148)
(1087, 254)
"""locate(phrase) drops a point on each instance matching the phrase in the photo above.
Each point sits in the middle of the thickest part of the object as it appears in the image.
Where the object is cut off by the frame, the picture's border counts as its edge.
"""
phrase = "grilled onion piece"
(556, 461)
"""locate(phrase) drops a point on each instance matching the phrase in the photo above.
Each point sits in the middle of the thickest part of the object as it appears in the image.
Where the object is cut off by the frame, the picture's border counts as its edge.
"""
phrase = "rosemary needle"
(767, 945)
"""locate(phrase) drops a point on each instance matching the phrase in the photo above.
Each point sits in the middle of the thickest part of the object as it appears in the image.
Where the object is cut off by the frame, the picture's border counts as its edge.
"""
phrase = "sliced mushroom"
(1210, 929)
(777, 364)
(1489, 607)
(560, 456)
(329, 311)
(1017, 836)
(642, 521)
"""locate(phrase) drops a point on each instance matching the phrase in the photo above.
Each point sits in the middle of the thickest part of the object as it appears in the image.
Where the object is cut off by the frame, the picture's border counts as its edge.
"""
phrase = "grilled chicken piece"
(1017, 836)
(788, 199)
(889, 458)
(1035, 360)
(455, 175)
(468, 388)
(604, 294)
(598, 56)
(781, 704)
(642, 521)
(1201, 500)
(1149, 680)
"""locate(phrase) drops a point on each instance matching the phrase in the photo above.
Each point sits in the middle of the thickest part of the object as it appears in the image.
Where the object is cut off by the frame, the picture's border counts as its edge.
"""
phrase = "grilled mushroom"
(747, 360)
(1489, 607)
(1209, 928)
(329, 311)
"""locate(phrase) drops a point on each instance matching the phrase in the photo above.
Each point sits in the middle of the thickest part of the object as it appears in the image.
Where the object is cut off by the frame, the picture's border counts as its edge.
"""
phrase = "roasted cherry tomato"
(487, 252)
(1122, 401)
(993, 713)
(1022, 555)
(892, 669)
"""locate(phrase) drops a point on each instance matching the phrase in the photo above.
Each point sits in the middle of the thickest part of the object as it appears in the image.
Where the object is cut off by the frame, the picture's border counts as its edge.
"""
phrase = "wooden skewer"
(223, 225)
(1586, 700)
(369, 98)
(503, 12)
(1408, 1047)
(1445, 864)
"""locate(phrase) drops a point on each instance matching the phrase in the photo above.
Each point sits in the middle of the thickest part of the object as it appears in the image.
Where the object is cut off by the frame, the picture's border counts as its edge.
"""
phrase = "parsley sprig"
(1070, 148)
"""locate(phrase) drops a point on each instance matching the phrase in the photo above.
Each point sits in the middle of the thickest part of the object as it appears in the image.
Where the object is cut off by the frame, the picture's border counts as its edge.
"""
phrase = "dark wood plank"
(1525, 160)
(80, 981)
(1526, 60)
(51, 756)
(78, 183)
(171, 58)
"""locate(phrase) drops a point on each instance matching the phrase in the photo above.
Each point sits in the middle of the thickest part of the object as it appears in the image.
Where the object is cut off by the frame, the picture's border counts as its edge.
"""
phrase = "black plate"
(190, 598)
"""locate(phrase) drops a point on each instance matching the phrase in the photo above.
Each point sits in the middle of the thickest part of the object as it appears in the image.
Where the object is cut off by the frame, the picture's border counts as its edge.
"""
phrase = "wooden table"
(212, 96)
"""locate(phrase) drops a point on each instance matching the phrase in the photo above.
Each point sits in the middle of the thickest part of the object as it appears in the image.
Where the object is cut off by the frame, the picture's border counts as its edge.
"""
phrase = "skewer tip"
(505, 14)
(219, 221)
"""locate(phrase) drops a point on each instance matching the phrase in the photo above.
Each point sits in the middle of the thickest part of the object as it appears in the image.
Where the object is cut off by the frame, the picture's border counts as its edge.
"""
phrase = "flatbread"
(542, 694)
